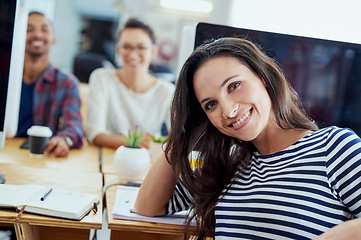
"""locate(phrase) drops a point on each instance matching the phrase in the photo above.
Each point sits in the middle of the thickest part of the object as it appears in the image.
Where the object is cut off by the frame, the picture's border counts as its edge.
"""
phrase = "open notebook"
(124, 203)
(57, 203)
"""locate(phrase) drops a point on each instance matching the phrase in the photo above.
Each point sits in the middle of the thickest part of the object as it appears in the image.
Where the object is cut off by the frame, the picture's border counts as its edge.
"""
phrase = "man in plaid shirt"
(49, 97)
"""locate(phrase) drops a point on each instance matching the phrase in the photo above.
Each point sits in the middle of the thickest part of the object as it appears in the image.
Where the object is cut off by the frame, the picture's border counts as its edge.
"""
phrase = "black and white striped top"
(297, 193)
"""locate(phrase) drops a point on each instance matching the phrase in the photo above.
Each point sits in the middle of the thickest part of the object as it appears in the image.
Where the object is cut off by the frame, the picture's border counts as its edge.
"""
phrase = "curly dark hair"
(189, 122)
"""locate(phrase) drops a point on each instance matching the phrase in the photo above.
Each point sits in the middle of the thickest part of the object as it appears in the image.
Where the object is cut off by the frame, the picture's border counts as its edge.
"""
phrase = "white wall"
(66, 15)
(67, 26)
(330, 19)
(45, 6)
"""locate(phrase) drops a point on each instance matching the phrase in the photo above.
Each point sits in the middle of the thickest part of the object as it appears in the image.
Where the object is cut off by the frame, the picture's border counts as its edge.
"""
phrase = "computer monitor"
(325, 73)
(13, 24)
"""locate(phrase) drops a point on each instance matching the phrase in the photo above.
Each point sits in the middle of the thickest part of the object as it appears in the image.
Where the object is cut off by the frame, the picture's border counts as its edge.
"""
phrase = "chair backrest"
(86, 62)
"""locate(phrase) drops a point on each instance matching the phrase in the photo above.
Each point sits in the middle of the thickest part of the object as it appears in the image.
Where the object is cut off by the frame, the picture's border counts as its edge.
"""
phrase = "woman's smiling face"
(234, 98)
(136, 49)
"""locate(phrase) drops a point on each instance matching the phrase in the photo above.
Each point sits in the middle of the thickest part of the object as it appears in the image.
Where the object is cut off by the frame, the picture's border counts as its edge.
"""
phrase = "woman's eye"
(233, 86)
(209, 105)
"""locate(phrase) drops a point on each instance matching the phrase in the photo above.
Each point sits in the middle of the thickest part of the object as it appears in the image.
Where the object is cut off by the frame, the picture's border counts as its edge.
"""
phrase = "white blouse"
(114, 109)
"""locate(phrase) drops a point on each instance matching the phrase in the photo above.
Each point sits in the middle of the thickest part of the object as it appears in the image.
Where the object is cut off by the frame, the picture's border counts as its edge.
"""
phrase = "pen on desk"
(46, 194)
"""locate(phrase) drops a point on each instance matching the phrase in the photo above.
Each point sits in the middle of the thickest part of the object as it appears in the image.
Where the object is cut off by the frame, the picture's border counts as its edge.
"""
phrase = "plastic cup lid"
(39, 131)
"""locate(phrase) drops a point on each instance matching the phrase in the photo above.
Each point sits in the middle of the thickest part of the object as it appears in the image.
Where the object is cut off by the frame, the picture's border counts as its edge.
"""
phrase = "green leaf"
(160, 139)
(134, 138)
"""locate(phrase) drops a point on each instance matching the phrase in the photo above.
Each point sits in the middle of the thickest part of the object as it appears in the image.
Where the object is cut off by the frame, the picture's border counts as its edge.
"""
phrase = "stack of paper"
(124, 203)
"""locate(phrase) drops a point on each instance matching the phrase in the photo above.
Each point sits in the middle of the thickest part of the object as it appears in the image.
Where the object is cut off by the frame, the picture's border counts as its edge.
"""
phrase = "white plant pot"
(132, 163)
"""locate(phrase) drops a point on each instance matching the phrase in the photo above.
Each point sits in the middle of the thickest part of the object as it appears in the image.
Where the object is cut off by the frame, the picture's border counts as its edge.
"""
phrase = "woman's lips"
(241, 120)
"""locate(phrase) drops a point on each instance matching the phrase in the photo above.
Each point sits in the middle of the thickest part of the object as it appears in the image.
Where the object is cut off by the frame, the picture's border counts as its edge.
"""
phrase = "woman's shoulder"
(335, 129)
(103, 71)
(102, 75)
(335, 134)
(165, 85)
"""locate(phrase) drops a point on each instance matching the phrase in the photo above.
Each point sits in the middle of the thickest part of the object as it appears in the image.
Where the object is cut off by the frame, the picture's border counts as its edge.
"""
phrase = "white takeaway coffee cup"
(38, 139)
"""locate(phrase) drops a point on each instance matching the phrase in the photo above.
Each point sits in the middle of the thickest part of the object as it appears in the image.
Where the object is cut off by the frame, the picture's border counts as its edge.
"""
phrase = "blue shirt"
(26, 109)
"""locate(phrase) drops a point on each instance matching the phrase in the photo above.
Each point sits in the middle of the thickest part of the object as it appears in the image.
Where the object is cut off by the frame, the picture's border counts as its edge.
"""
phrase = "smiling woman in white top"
(121, 99)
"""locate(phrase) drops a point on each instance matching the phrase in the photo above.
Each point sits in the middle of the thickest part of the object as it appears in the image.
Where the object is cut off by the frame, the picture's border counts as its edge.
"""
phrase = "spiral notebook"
(124, 203)
(46, 201)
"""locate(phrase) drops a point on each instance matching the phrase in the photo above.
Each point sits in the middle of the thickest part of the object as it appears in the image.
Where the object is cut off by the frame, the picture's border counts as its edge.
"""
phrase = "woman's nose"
(230, 111)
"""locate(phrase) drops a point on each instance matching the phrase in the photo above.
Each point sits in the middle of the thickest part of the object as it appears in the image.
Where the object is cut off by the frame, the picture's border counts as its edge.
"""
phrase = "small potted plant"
(131, 161)
(134, 138)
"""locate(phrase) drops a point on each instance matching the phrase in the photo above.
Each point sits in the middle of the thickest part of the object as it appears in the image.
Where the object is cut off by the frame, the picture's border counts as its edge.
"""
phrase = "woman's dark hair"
(189, 121)
(137, 23)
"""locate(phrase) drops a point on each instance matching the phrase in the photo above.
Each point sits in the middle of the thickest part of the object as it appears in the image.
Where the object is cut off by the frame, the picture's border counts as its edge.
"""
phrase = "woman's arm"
(97, 107)
(345, 178)
(115, 141)
(156, 189)
(109, 140)
(347, 230)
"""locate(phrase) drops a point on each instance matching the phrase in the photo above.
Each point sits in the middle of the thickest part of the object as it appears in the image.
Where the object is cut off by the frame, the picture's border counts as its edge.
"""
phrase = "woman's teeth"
(241, 120)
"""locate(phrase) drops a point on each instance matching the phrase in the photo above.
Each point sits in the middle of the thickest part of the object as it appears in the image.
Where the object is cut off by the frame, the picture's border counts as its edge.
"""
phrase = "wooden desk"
(42, 227)
(106, 160)
(83, 159)
(134, 230)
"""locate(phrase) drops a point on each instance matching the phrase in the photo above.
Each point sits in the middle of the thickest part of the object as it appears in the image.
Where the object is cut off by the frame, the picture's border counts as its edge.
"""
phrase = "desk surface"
(136, 226)
(84, 159)
(106, 161)
(19, 168)
(90, 182)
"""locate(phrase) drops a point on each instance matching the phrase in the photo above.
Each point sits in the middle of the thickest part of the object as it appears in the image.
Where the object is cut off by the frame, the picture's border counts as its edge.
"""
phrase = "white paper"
(124, 203)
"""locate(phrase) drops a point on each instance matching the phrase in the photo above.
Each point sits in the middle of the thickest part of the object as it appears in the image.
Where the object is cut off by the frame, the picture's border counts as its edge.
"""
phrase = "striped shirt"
(297, 193)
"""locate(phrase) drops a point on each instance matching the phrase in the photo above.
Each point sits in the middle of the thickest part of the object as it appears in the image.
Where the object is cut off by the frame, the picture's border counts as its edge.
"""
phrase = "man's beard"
(36, 54)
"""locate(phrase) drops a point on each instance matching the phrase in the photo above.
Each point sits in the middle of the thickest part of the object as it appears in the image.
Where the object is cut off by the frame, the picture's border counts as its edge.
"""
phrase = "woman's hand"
(145, 143)
(349, 230)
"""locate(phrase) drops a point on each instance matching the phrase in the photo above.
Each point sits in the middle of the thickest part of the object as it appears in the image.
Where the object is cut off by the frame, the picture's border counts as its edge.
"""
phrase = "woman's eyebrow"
(228, 79)
(222, 85)
(204, 100)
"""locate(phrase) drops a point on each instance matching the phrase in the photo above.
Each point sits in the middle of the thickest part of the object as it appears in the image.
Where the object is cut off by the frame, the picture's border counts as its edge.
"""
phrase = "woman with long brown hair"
(268, 171)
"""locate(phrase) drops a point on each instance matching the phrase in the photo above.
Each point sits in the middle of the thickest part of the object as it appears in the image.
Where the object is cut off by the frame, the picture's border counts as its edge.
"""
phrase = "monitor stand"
(2, 178)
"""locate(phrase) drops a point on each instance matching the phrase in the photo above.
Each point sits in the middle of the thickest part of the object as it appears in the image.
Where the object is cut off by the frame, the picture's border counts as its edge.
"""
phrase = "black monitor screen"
(325, 73)
(7, 16)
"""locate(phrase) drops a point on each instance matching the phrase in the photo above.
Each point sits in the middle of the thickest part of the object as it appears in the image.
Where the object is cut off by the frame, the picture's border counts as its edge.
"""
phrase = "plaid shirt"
(56, 104)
